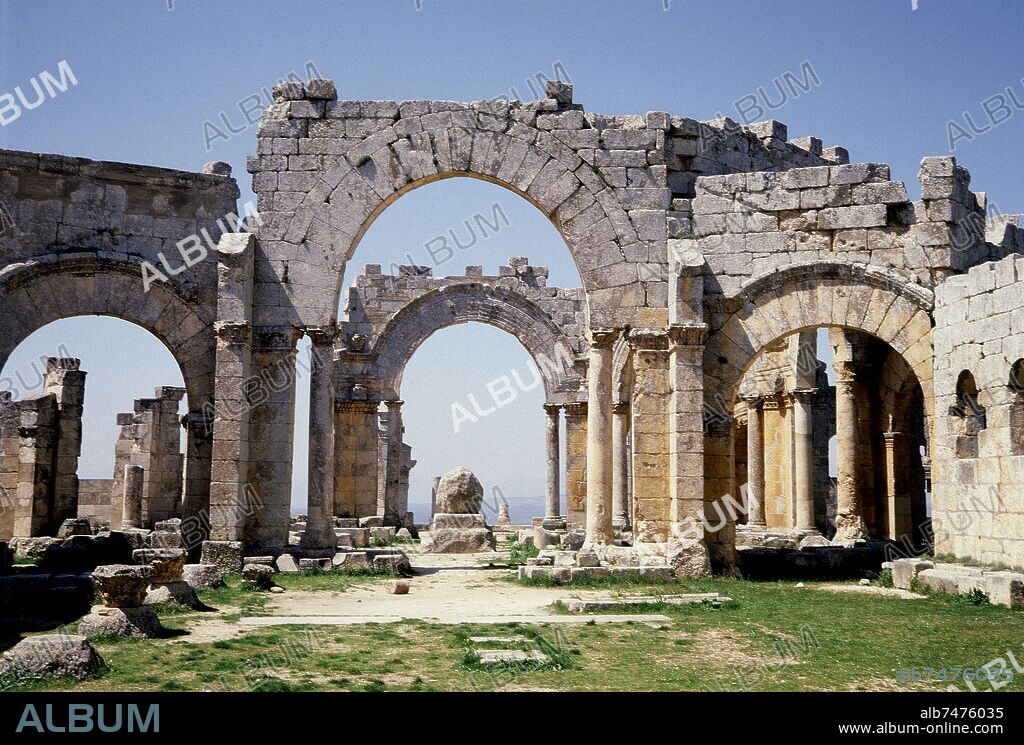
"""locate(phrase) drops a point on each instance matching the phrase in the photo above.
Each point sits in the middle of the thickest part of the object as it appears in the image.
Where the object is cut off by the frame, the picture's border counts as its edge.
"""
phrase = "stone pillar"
(898, 501)
(755, 461)
(37, 431)
(134, 480)
(393, 469)
(433, 496)
(266, 500)
(10, 419)
(575, 462)
(66, 381)
(552, 500)
(686, 467)
(651, 519)
(355, 458)
(195, 504)
(620, 465)
(599, 437)
(319, 533)
(408, 463)
(803, 458)
(849, 521)
(231, 408)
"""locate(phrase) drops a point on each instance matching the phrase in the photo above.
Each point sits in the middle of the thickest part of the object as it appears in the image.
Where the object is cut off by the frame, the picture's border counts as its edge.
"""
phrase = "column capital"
(322, 335)
(552, 409)
(275, 338)
(394, 406)
(575, 409)
(688, 334)
(620, 407)
(233, 332)
(753, 400)
(601, 338)
(894, 437)
(804, 395)
(364, 406)
(649, 340)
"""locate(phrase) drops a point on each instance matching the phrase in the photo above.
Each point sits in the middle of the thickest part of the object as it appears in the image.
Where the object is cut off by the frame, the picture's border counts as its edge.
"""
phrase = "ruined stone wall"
(94, 499)
(10, 443)
(978, 502)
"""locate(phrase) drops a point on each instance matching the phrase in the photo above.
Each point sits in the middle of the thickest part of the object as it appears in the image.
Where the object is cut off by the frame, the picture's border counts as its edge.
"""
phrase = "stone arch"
(816, 295)
(509, 311)
(46, 291)
(321, 234)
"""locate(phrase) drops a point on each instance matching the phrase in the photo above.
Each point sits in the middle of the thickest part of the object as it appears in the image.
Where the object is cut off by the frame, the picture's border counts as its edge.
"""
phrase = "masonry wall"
(94, 499)
(978, 502)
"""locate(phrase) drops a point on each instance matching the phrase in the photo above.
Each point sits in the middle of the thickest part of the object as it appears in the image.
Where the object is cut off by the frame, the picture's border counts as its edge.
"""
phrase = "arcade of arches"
(686, 366)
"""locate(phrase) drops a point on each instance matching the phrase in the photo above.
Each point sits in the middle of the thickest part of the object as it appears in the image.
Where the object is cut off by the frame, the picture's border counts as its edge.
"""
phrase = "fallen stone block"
(286, 564)
(1005, 588)
(53, 656)
(122, 585)
(506, 656)
(74, 526)
(259, 575)
(397, 587)
(203, 576)
(345, 560)
(314, 564)
(359, 537)
(225, 555)
(140, 622)
(173, 593)
(905, 570)
(397, 564)
(383, 534)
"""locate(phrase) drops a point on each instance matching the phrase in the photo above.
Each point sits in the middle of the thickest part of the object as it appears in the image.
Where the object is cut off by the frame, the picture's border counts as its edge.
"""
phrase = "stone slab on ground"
(203, 576)
(588, 606)
(138, 622)
(225, 555)
(498, 656)
(551, 618)
(905, 570)
(1005, 588)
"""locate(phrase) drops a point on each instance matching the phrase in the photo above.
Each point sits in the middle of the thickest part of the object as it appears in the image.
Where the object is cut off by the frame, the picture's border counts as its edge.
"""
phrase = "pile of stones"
(1001, 587)
(123, 589)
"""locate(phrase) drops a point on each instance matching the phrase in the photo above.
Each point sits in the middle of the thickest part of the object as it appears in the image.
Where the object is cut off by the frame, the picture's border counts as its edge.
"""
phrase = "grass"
(972, 562)
(520, 552)
(770, 636)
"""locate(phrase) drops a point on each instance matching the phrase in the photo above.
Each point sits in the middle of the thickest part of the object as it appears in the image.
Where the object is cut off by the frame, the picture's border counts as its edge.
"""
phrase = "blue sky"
(891, 78)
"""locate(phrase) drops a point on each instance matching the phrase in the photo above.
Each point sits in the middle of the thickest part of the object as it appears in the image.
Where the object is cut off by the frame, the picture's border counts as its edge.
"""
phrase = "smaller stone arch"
(553, 352)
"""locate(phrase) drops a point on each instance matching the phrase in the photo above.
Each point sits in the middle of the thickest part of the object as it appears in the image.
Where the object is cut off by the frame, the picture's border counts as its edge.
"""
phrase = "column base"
(553, 523)
(850, 528)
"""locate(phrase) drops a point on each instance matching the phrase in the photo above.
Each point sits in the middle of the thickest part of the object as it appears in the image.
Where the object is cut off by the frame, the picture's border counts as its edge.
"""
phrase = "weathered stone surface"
(458, 541)
(173, 593)
(286, 564)
(140, 622)
(397, 587)
(259, 575)
(459, 492)
(1005, 588)
(396, 563)
(74, 526)
(203, 576)
(122, 585)
(53, 656)
(687, 558)
(905, 570)
(351, 560)
(168, 563)
(225, 555)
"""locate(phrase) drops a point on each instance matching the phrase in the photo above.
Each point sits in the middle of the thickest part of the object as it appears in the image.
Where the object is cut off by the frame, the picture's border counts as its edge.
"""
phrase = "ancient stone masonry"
(702, 247)
(151, 439)
(978, 507)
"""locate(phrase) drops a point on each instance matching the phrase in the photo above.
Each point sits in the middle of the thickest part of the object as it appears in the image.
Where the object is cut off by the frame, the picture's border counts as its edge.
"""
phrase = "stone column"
(195, 505)
(599, 437)
(231, 408)
(66, 381)
(265, 504)
(552, 501)
(849, 521)
(433, 495)
(37, 430)
(134, 479)
(620, 465)
(393, 469)
(575, 462)
(897, 477)
(319, 532)
(355, 458)
(755, 461)
(803, 458)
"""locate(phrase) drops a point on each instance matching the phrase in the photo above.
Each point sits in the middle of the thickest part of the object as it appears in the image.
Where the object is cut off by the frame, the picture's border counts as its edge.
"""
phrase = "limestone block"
(904, 571)
(259, 575)
(360, 537)
(225, 555)
(350, 560)
(459, 492)
(286, 564)
(384, 534)
(203, 576)
(53, 656)
(1005, 588)
(122, 585)
(397, 563)
(168, 563)
(173, 593)
(139, 622)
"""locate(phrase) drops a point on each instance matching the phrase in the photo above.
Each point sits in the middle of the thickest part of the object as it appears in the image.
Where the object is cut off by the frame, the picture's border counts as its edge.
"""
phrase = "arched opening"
(83, 397)
(426, 379)
(969, 416)
(829, 430)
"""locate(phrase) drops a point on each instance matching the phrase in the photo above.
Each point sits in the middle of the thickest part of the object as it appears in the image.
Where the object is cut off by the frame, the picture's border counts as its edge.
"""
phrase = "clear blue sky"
(148, 78)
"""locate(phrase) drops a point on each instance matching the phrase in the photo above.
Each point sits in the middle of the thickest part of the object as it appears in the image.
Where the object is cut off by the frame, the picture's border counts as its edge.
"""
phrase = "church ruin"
(714, 259)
